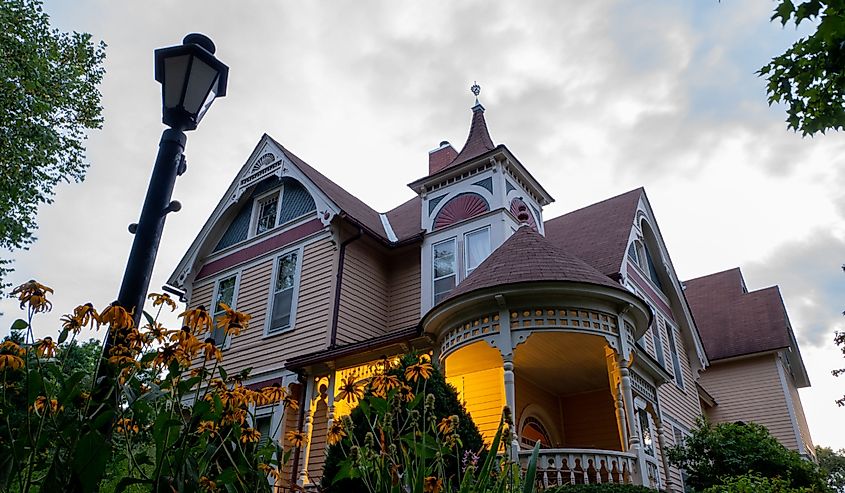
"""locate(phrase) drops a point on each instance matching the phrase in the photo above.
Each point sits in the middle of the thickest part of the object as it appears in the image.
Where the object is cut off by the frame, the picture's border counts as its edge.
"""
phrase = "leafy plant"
(754, 483)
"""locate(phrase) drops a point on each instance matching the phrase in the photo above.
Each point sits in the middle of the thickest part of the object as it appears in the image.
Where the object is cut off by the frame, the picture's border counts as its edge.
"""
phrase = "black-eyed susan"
(34, 294)
(162, 299)
(382, 384)
(207, 426)
(335, 433)
(432, 484)
(273, 393)
(405, 393)
(42, 404)
(10, 362)
(207, 485)
(126, 425)
(290, 403)
(445, 425)
(12, 347)
(295, 437)
(116, 317)
(232, 321)
(418, 370)
(250, 435)
(197, 319)
(46, 348)
(210, 350)
(350, 390)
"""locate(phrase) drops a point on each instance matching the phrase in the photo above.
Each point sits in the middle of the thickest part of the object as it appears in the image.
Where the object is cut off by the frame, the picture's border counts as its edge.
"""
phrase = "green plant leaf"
(19, 325)
(127, 482)
(531, 473)
(90, 459)
(63, 335)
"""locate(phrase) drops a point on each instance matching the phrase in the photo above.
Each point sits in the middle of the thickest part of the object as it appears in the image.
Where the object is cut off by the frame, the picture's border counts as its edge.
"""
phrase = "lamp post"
(191, 79)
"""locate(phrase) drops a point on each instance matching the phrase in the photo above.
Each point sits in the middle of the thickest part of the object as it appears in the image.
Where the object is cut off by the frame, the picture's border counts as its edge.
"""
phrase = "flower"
(117, 317)
(156, 331)
(420, 369)
(432, 484)
(445, 425)
(162, 299)
(291, 403)
(127, 425)
(335, 433)
(350, 390)
(405, 393)
(35, 295)
(296, 437)
(10, 361)
(207, 426)
(250, 435)
(43, 404)
(197, 319)
(82, 315)
(274, 393)
(207, 484)
(382, 384)
(210, 349)
(46, 348)
(231, 321)
(12, 347)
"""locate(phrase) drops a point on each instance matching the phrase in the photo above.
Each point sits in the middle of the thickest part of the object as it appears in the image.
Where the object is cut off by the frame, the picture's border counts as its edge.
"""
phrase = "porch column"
(307, 428)
(661, 441)
(619, 401)
(640, 472)
(510, 400)
(330, 401)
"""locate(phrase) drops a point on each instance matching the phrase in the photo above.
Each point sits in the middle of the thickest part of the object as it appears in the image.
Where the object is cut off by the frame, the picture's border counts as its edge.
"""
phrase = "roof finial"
(476, 89)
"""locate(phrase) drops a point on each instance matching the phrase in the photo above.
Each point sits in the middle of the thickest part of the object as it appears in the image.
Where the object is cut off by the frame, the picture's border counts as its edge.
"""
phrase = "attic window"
(268, 208)
(281, 206)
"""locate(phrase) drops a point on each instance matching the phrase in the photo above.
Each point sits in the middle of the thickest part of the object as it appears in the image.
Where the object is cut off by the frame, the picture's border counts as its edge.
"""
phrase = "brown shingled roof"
(405, 219)
(597, 234)
(478, 141)
(529, 257)
(733, 322)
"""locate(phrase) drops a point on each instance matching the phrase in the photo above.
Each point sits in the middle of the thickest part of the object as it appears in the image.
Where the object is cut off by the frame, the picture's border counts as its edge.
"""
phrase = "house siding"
(362, 313)
(529, 394)
(749, 390)
(803, 427)
(590, 420)
(404, 290)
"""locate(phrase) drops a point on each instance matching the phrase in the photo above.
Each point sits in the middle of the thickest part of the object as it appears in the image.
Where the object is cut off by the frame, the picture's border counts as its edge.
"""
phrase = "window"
(658, 340)
(268, 209)
(225, 290)
(645, 431)
(476, 248)
(632, 253)
(443, 262)
(283, 299)
(680, 438)
(262, 424)
(676, 360)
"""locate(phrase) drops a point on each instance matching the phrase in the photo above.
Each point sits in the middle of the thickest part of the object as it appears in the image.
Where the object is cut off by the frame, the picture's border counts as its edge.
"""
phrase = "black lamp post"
(191, 78)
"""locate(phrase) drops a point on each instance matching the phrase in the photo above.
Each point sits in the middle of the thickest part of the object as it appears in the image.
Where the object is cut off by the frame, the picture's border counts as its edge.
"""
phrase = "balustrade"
(580, 466)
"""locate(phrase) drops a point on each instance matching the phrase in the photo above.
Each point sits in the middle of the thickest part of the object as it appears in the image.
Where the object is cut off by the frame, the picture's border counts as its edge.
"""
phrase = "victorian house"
(578, 323)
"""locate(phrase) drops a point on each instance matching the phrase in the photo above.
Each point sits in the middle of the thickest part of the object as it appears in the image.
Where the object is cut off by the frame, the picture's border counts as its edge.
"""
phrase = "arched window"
(459, 208)
(533, 430)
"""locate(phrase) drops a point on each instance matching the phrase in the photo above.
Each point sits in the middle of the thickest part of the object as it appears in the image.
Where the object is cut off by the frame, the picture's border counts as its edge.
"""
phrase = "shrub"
(753, 483)
(600, 488)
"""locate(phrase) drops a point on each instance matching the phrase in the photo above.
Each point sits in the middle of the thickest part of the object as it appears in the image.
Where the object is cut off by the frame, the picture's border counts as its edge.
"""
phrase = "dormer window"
(268, 210)
(444, 262)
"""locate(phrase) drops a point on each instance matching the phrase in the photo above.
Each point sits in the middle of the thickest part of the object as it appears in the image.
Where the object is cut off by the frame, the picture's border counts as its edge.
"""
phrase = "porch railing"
(581, 466)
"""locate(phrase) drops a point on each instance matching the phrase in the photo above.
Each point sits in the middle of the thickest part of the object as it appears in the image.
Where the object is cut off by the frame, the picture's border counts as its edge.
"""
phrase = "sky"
(595, 98)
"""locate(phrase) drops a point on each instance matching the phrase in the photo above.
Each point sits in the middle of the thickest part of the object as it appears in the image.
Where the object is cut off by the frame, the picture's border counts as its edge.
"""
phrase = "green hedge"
(600, 488)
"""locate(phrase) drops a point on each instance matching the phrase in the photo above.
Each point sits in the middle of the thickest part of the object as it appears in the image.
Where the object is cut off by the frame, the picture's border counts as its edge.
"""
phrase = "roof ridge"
(615, 197)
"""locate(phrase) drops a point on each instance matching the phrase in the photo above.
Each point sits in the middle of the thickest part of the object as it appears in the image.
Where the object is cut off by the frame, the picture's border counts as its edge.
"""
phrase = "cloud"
(811, 281)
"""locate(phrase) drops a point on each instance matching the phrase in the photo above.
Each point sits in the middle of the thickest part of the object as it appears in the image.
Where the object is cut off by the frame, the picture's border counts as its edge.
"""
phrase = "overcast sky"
(595, 98)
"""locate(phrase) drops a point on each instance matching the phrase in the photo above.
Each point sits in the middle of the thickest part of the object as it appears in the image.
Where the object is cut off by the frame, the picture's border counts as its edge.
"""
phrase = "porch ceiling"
(563, 363)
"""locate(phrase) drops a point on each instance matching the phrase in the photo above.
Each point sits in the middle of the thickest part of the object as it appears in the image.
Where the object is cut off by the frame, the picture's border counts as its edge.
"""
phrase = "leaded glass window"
(283, 292)
(225, 290)
(443, 261)
(267, 211)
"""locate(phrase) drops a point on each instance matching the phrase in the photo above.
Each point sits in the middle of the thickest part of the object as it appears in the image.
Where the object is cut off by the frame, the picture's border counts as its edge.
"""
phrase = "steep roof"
(735, 322)
(597, 234)
(405, 219)
(529, 257)
(478, 141)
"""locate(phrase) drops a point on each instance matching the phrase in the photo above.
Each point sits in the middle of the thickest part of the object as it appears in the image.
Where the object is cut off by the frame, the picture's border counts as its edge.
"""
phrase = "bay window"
(444, 260)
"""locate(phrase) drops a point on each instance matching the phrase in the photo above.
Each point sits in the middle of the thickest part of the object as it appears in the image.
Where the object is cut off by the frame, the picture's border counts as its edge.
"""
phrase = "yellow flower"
(270, 471)
(274, 393)
(382, 384)
(82, 315)
(43, 404)
(231, 321)
(117, 317)
(170, 354)
(156, 331)
(210, 350)
(207, 484)
(162, 299)
(35, 295)
(295, 437)
(445, 425)
(406, 393)
(12, 347)
(207, 426)
(432, 484)
(290, 403)
(350, 390)
(10, 361)
(197, 319)
(126, 425)
(335, 433)
(46, 348)
(417, 370)
(250, 435)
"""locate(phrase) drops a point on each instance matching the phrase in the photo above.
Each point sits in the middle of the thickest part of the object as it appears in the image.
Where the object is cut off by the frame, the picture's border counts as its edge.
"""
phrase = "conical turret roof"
(478, 141)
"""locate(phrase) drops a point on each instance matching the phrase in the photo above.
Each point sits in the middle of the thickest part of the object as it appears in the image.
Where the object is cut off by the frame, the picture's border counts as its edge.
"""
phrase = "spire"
(479, 141)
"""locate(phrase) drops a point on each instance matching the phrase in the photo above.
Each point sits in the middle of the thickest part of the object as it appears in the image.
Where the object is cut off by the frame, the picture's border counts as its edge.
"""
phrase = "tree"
(809, 78)
(714, 454)
(48, 100)
(832, 464)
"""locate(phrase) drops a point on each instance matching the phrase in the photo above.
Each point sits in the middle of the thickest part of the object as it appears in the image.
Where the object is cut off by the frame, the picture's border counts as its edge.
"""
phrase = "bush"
(731, 450)
(753, 483)
(600, 488)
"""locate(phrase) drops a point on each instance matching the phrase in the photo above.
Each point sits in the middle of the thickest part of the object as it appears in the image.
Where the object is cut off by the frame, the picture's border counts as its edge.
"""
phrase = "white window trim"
(234, 306)
(256, 210)
(454, 240)
(295, 297)
(674, 353)
(465, 268)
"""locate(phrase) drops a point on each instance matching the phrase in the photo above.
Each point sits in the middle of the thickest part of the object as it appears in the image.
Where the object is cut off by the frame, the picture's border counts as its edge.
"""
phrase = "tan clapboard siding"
(749, 389)
(404, 291)
(590, 421)
(483, 394)
(362, 313)
(201, 295)
(527, 394)
(681, 405)
(803, 427)
(252, 348)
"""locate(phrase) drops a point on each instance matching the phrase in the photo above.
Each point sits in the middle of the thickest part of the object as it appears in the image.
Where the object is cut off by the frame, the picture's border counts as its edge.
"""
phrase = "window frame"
(256, 211)
(657, 338)
(465, 268)
(227, 341)
(455, 270)
(677, 368)
(268, 330)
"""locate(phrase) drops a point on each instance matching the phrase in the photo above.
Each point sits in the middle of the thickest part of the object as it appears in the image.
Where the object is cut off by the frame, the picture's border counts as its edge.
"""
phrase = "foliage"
(48, 99)
(809, 77)
(399, 440)
(754, 483)
(600, 488)
(168, 423)
(712, 453)
(832, 464)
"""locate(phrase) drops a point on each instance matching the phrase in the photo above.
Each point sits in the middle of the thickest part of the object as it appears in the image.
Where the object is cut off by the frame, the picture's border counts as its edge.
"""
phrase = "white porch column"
(661, 441)
(640, 472)
(330, 400)
(619, 401)
(510, 400)
(307, 428)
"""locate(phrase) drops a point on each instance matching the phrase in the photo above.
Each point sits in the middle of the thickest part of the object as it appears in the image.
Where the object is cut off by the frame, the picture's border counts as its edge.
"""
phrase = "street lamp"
(191, 78)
